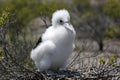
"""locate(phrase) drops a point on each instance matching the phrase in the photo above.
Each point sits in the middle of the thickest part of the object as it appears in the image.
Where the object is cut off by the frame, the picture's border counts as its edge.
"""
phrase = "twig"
(74, 59)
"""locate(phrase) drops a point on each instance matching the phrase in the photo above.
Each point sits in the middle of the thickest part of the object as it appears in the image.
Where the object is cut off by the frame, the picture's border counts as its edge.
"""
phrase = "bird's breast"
(63, 36)
(59, 36)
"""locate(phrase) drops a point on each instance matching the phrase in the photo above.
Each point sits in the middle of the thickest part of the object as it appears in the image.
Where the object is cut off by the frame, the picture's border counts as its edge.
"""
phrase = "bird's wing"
(44, 35)
(38, 42)
(46, 47)
(48, 34)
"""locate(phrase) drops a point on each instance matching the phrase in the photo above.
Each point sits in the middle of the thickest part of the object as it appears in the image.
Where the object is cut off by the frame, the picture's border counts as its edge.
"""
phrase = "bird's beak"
(68, 26)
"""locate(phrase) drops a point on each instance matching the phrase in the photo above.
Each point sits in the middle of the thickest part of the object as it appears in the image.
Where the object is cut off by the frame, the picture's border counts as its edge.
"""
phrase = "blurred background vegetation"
(82, 12)
(97, 23)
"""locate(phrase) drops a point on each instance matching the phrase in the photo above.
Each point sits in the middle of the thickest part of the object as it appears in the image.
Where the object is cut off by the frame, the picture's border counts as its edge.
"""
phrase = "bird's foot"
(49, 72)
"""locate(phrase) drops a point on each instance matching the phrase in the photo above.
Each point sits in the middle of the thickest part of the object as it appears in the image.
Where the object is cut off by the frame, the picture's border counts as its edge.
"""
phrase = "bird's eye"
(61, 21)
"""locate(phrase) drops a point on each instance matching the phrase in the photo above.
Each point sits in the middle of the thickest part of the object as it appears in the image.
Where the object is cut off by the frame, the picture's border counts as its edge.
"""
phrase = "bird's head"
(61, 18)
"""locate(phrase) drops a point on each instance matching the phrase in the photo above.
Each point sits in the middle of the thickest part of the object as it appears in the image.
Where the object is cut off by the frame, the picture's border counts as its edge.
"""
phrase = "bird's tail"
(34, 54)
(46, 47)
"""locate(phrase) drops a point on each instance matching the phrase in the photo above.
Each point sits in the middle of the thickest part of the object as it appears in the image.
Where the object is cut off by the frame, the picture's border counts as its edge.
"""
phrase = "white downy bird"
(56, 43)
